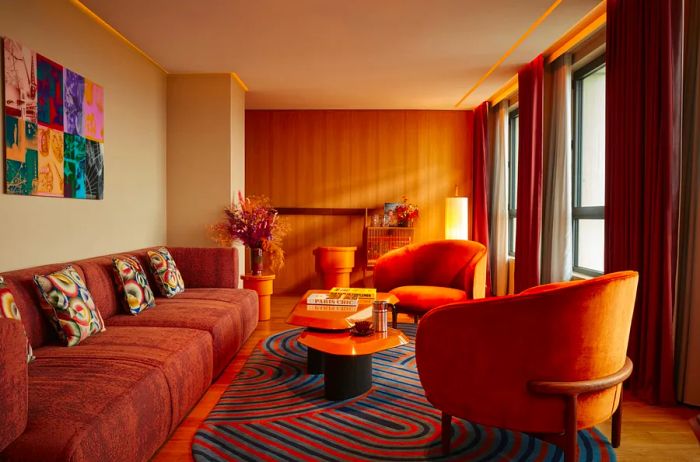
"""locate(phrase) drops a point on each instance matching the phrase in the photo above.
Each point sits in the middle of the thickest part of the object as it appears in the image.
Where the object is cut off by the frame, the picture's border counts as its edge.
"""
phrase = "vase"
(256, 261)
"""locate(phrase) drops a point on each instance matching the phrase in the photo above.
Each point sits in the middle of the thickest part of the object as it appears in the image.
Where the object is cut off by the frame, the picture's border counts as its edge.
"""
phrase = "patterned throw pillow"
(8, 309)
(69, 305)
(165, 272)
(132, 284)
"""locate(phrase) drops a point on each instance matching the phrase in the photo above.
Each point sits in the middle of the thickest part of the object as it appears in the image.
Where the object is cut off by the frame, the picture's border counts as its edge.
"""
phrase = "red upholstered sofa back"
(200, 267)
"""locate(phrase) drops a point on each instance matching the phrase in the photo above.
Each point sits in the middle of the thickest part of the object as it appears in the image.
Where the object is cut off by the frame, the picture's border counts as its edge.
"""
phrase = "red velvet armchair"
(426, 275)
(548, 361)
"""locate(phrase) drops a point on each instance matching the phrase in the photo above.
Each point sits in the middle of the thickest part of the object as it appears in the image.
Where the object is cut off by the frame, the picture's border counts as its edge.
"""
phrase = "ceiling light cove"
(510, 51)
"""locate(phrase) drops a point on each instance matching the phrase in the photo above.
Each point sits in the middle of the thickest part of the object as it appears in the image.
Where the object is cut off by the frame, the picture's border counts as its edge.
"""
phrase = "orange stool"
(263, 286)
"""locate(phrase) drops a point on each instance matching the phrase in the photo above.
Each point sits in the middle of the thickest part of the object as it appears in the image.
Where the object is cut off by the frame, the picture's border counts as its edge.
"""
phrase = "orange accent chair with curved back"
(429, 274)
(548, 361)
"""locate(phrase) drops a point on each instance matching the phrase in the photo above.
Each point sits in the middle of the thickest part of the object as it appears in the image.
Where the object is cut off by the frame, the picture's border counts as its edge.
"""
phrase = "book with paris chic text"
(333, 299)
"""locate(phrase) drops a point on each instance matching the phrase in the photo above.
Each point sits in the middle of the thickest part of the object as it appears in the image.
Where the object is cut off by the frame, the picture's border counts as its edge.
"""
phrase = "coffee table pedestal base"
(314, 361)
(344, 376)
(347, 376)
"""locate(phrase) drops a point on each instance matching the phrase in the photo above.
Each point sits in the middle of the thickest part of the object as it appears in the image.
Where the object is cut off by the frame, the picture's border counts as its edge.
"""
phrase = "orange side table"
(263, 286)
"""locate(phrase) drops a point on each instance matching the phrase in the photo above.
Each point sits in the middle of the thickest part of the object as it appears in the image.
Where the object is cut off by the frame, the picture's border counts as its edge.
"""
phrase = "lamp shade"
(457, 218)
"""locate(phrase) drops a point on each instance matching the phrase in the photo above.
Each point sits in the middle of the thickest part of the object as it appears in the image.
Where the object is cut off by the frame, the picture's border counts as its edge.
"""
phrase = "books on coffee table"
(337, 299)
(362, 293)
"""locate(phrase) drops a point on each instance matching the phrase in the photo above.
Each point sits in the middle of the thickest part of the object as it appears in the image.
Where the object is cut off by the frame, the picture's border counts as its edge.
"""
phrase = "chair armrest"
(13, 381)
(582, 386)
(478, 279)
(204, 267)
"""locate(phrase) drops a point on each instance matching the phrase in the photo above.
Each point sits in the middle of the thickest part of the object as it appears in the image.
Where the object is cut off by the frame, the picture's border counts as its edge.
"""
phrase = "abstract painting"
(21, 159)
(20, 81)
(50, 80)
(54, 128)
(50, 178)
(94, 170)
(73, 113)
(74, 166)
(93, 117)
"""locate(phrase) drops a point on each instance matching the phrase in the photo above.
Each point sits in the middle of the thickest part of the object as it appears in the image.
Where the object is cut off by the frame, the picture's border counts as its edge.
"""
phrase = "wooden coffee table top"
(344, 344)
(333, 317)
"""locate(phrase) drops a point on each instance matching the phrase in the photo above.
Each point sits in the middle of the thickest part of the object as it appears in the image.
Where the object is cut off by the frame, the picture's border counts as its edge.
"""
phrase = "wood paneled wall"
(353, 158)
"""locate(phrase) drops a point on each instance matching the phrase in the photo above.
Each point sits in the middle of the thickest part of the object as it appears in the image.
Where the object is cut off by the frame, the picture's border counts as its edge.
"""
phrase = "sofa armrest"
(14, 389)
(202, 267)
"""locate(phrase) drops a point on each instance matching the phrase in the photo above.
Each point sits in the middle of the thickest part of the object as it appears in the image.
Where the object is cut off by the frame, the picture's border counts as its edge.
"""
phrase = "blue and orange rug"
(274, 411)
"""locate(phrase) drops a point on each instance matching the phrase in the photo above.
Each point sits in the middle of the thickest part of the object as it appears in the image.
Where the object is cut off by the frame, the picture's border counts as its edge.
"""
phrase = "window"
(512, 178)
(589, 168)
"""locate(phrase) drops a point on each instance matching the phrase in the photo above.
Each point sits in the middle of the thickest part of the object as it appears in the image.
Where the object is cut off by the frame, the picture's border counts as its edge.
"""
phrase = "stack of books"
(343, 296)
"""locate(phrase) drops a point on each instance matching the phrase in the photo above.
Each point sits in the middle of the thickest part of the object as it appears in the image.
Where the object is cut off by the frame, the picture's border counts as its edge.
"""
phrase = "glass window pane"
(513, 162)
(512, 178)
(511, 236)
(591, 236)
(593, 139)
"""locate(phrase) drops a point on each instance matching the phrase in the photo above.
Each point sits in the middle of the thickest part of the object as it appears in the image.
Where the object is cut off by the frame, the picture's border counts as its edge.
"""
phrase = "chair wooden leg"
(617, 425)
(571, 431)
(394, 315)
(446, 431)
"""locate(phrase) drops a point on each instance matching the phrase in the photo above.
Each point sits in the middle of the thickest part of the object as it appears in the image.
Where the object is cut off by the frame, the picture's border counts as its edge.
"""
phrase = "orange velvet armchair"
(548, 361)
(426, 275)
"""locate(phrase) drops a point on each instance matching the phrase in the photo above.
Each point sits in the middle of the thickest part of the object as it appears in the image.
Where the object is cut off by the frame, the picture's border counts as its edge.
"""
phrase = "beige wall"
(206, 153)
(36, 230)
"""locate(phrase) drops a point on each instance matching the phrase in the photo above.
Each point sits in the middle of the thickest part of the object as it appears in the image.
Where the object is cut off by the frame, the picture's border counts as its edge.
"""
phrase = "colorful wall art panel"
(20, 81)
(50, 179)
(93, 120)
(73, 113)
(50, 80)
(54, 128)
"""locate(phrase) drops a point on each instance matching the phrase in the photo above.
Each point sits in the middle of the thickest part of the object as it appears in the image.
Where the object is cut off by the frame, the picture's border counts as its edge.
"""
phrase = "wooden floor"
(649, 433)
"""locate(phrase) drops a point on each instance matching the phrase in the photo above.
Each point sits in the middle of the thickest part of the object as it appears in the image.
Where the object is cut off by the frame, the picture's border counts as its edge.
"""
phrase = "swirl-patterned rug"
(274, 411)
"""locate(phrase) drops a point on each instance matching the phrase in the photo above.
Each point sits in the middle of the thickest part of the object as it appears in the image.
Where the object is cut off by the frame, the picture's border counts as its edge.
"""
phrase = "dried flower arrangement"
(254, 223)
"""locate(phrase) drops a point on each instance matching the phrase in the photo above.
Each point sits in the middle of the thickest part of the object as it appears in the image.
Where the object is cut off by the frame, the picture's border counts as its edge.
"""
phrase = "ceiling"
(333, 54)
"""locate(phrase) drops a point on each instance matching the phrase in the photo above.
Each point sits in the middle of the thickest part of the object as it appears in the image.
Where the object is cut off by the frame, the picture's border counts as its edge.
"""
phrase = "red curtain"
(529, 195)
(641, 179)
(480, 227)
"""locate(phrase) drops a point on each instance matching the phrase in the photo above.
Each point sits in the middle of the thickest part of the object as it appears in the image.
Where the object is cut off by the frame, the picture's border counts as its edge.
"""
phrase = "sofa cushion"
(116, 396)
(69, 305)
(9, 310)
(23, 287)
(230, 317)
(168, 277)
(421, 299)
(100, 409)
(132, 286)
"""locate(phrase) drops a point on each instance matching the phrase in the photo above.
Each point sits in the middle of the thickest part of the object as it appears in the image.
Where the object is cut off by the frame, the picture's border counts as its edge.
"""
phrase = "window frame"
(513, 120)
(579, 212)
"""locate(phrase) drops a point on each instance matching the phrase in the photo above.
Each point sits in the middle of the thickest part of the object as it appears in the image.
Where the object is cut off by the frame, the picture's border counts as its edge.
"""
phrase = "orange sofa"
(426, 275)
(549, 360)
